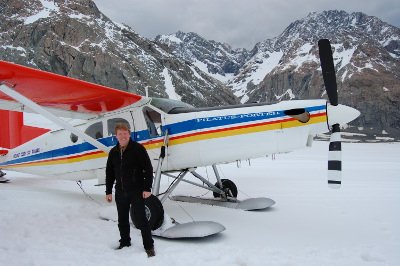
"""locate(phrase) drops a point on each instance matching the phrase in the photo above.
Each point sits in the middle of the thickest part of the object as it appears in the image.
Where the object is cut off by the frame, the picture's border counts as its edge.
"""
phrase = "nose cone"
(341, 114)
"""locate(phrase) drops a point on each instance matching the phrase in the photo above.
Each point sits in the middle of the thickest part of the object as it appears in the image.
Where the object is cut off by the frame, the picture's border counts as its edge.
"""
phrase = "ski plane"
(178, 137)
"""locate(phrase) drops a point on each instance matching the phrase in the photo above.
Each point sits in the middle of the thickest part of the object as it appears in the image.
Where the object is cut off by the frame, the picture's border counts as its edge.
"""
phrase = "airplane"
(178, 137)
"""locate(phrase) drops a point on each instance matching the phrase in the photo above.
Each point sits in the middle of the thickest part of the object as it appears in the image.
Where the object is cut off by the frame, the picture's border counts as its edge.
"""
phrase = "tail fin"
(13, 132)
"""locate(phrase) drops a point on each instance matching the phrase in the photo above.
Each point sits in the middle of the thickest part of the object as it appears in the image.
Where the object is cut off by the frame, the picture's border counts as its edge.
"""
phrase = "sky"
(240, 23)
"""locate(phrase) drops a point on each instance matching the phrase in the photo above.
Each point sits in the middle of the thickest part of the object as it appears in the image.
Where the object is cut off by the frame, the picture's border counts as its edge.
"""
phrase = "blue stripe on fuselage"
(218, 121)
(175, 128)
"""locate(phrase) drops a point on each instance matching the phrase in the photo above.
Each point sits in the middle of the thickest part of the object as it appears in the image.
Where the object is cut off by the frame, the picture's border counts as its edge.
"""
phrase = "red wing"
(56, 91)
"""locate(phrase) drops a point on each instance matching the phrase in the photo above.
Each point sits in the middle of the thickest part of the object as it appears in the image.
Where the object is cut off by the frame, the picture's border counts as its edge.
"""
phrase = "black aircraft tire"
(226, 184)
(154, 212)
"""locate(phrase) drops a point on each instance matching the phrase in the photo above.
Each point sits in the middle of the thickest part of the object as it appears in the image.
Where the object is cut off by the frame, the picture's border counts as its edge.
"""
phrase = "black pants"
(124, 202)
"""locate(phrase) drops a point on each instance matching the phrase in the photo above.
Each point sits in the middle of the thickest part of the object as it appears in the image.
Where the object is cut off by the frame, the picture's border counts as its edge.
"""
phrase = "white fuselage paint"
(195, 139)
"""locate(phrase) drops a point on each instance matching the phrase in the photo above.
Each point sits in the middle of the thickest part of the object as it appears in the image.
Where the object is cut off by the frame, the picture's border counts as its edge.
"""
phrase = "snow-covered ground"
(50, 222)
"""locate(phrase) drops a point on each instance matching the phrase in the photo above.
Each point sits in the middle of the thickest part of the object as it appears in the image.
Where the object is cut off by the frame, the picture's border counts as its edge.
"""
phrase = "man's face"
(123, 137)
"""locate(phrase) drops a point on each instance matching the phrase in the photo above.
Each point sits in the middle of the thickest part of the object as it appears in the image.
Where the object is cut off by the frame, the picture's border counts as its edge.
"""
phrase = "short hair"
(122, 126)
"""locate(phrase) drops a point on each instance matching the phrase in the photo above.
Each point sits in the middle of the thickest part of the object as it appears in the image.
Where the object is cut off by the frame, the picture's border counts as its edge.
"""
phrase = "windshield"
(168, 105)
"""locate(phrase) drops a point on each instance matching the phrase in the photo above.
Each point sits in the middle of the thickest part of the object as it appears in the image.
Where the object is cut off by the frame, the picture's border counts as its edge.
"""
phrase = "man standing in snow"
(129, 166)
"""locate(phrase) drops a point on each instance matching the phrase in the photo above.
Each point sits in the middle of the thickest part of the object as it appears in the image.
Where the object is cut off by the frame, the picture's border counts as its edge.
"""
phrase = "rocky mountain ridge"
(75, 39)
(217, 59)
(366, 54)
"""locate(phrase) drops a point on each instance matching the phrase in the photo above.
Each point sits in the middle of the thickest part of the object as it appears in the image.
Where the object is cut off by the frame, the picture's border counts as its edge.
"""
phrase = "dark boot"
(150, 252)
(123, 244)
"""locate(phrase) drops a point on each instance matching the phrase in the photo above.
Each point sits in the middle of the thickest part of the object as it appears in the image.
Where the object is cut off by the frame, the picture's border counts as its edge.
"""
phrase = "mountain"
(366, 54)
(217, 59)
(75, 39)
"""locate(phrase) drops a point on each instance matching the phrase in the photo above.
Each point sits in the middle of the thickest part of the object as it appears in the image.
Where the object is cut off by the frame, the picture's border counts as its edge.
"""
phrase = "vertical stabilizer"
(13, 132)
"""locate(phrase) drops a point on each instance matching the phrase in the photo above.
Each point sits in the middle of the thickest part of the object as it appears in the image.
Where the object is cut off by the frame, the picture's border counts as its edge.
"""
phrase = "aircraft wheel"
(228, 187)
(154, 213)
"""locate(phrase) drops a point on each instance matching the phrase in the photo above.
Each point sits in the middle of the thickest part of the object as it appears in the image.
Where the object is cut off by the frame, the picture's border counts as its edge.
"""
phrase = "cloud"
(240, 23)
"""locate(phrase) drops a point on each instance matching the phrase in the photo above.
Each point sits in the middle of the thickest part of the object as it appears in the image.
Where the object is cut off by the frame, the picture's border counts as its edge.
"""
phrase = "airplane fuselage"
(196, 137)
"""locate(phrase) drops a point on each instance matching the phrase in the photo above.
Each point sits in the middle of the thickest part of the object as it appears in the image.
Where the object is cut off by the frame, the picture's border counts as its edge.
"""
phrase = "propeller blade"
(335, 144)
(328, 70)
(335, 158)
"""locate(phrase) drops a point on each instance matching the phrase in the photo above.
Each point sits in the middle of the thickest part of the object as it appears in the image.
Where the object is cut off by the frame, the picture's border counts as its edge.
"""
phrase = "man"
(129, 166)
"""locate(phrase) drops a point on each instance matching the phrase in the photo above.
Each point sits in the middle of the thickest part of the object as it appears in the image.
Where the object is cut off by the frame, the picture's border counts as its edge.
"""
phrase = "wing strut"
(40, 110)
(157, 179)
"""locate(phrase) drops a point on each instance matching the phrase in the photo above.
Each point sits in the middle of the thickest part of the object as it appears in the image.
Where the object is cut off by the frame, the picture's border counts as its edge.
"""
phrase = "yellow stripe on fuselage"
(254, 128)
(73, 159)
(199, 136)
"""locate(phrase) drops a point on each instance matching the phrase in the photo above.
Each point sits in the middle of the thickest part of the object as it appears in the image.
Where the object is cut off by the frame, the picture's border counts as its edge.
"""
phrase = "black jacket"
(131, 171)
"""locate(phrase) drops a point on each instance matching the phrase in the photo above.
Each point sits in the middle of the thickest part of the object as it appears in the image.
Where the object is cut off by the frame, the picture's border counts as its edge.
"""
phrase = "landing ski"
(251, 204)
(4, 180)
(172, 229)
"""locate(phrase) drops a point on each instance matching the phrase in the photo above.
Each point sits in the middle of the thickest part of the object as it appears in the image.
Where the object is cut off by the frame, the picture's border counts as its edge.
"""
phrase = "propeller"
(335, 144)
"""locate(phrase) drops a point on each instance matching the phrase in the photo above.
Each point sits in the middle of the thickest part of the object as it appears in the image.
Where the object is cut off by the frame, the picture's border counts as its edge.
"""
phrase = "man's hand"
(109, 197)
(146, 194)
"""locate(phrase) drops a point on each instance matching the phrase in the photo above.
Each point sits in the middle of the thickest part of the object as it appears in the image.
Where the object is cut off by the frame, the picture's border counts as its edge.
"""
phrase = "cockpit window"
(153, 121)
(111, 123)
(95, 130)
(167, 105)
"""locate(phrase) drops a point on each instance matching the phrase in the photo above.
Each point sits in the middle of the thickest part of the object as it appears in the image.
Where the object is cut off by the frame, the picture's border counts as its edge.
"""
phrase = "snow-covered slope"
(51, 222)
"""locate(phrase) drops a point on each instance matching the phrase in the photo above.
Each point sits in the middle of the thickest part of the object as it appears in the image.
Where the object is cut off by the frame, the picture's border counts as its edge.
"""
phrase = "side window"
(153, 121)
(74, 138)
(95, 130)
(111, 123)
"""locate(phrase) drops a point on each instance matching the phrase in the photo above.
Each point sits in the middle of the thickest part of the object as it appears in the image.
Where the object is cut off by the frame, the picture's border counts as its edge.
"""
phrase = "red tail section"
(13, 132)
